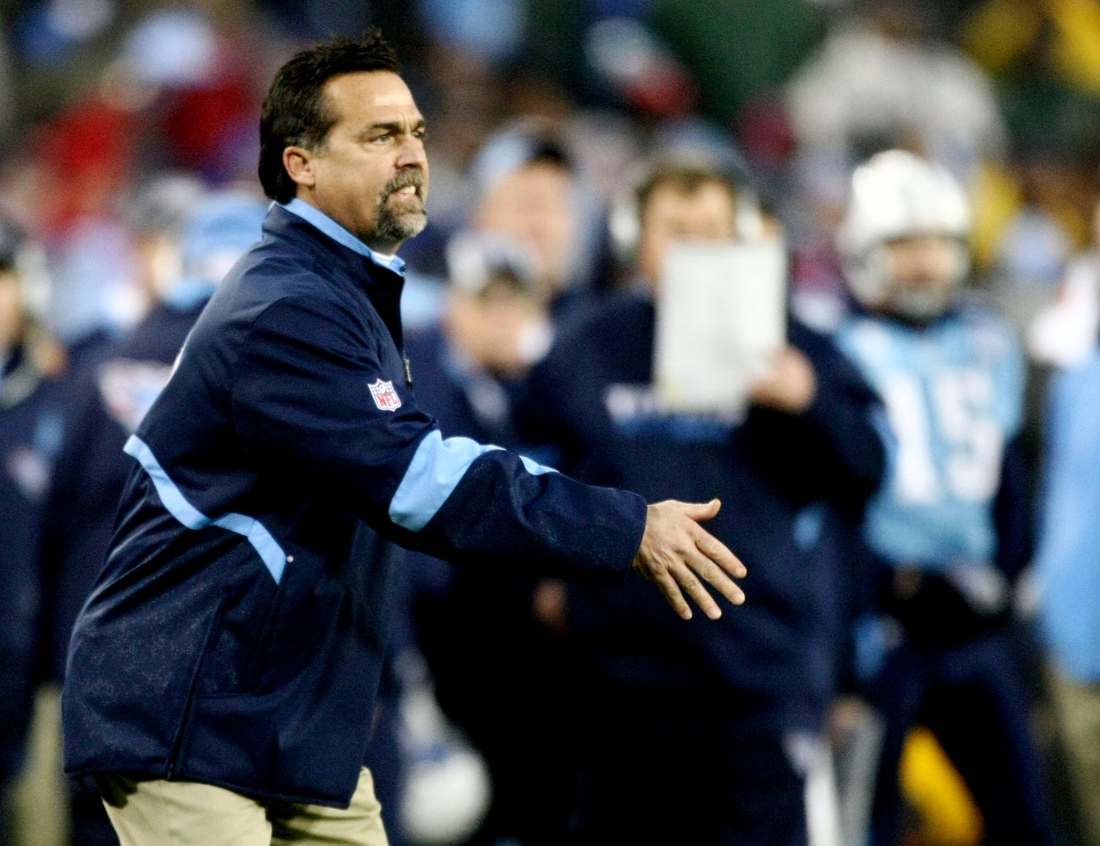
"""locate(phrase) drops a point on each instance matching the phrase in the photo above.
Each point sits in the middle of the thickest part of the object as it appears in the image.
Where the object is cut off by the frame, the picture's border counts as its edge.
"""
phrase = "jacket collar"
(319, 220)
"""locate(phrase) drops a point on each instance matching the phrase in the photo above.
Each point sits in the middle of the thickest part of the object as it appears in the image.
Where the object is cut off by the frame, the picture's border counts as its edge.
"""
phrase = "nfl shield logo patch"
(385, 397)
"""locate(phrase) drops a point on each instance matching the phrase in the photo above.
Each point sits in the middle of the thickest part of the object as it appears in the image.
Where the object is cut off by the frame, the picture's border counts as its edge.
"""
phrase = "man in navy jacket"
(222, 675)
(795, 471)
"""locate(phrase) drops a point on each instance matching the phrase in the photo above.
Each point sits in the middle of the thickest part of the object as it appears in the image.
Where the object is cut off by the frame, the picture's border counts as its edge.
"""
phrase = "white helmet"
(896, 195)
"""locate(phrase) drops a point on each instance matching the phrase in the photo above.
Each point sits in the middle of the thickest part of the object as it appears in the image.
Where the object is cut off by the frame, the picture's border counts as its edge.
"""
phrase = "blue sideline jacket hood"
(236, 633)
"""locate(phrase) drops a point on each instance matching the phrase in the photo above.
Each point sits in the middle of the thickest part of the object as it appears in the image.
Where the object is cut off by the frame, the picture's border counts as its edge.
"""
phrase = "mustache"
(412, 177)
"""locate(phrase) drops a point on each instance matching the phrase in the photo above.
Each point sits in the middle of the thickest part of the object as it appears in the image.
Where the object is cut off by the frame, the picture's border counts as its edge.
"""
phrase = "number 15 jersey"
(953, 394)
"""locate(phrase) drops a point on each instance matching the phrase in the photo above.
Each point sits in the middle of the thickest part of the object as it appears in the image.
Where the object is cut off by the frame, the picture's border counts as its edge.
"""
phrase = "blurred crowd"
(913, 481)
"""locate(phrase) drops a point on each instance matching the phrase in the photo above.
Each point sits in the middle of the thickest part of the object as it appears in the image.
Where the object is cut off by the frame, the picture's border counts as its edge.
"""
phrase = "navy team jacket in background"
(30, 435)
(792, 487)
(236, 633)
(103, 404)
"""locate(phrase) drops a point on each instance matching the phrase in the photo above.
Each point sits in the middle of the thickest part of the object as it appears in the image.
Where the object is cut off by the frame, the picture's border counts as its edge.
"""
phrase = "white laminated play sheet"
(721, 314)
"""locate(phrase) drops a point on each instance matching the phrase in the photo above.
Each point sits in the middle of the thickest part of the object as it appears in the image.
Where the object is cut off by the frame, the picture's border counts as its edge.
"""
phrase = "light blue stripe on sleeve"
(434, 472)
(265, 545)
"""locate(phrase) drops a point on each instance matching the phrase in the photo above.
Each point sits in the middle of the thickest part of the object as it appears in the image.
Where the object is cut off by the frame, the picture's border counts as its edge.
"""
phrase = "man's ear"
(299, 162)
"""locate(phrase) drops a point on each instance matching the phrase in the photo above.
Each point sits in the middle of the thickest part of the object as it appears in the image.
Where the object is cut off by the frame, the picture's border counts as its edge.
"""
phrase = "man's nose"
(412, 153)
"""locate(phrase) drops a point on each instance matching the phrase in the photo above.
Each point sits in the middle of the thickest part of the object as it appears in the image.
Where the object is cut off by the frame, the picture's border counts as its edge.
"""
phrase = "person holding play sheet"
(726, 718)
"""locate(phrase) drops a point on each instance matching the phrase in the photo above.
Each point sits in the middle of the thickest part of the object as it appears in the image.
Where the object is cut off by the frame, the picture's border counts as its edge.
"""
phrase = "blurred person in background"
(494, 639)
(528, 189)
(885, 76)
(1063, 341)
(1067, 573)
(1046, 202)
(30, 436)
(751, 690)
(1064, 331)
(106, 398)
(189, 240)
(495, 325)
(950, 529)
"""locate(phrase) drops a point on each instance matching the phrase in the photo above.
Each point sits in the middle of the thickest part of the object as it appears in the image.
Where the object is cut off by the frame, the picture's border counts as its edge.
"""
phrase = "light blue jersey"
(953, 393)
(1068, 558)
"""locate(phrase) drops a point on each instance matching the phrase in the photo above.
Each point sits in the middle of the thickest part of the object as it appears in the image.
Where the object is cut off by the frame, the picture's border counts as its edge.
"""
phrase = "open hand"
(676, 552)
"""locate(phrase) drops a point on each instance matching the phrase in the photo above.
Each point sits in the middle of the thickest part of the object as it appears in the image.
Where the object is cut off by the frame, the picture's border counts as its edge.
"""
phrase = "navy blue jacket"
(236, 633)
(790, 485)
(491, 606)
(465, 399)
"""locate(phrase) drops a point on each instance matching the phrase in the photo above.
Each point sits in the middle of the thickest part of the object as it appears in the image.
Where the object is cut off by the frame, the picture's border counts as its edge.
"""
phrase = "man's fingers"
(701, 510)
(671, 590)
(687, 580)
(719, 553)
(716, 577)
(682, 558)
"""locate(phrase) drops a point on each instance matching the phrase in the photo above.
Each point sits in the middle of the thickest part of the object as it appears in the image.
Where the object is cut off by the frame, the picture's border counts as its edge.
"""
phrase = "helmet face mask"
(903, 238)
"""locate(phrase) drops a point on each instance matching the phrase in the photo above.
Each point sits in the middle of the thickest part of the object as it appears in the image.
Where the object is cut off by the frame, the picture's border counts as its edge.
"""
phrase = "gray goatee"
(396, 226)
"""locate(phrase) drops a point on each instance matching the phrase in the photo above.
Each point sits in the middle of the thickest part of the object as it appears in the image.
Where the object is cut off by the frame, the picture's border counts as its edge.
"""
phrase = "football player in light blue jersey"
(949, 527)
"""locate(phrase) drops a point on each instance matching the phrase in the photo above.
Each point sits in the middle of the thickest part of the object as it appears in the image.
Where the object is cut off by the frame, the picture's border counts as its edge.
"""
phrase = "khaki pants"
(157, 812)
(1078, 708)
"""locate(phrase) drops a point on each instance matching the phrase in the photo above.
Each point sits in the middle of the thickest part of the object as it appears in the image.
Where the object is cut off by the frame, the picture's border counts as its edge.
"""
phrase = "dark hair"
(685, 176)
(296, 112)
(684, 173)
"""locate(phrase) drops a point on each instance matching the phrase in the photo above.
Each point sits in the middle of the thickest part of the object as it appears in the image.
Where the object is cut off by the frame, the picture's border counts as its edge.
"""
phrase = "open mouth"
(407, 192)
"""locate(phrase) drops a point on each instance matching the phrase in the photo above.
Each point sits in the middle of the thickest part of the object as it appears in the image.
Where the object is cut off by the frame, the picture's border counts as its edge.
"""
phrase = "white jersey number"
(948, 442)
